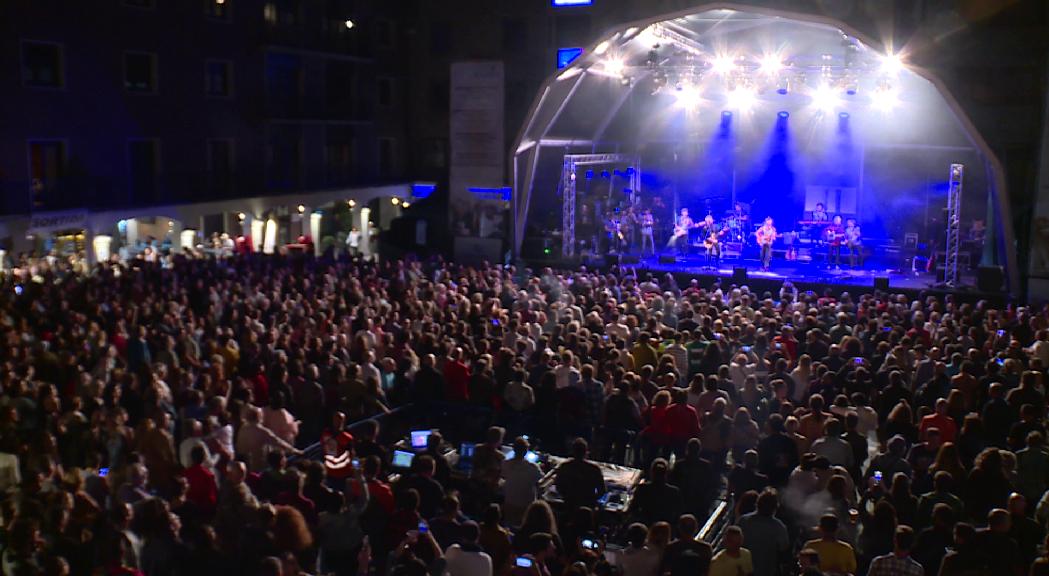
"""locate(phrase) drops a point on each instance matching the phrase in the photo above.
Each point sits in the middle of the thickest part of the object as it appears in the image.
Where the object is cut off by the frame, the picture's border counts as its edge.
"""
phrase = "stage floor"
(797, 272)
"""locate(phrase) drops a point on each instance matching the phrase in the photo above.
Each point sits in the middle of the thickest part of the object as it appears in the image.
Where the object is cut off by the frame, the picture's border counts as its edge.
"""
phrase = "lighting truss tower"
(568, 212)
(954, 215)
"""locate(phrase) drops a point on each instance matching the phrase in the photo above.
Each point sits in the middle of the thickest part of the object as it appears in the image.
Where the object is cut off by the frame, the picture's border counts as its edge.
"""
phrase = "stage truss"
(568, 183)
(954, 217)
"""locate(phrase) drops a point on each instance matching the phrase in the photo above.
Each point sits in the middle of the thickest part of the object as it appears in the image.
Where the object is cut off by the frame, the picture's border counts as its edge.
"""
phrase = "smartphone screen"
(523, 562)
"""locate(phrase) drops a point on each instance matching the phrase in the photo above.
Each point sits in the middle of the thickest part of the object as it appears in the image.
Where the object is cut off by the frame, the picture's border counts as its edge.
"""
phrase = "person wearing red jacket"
(203, 492)
(681, 421)
(456, 378)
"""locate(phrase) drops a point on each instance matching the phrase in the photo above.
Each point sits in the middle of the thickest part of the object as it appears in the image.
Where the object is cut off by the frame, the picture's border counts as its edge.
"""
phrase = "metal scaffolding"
(954, 218)
(568, 186)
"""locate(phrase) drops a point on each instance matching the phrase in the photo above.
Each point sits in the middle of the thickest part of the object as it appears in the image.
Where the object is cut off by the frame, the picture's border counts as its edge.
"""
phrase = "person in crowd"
(656, 500)
(520, 481)
(899, 562)
(733, 559)
(836, 557)
(467, 558)
(579, 482)
(767, 536)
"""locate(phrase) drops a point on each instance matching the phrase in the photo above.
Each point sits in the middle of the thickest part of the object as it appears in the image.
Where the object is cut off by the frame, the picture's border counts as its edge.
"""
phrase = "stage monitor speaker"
(611, 260)
(739, 275)
(989, 278)
(667, 259)
(629, 259)
(881, 283)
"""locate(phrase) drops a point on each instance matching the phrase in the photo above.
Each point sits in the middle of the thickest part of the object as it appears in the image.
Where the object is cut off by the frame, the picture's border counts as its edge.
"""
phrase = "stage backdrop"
(477, 173)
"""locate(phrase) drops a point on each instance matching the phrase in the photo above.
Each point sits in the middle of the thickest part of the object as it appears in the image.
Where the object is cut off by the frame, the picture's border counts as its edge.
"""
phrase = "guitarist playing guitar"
(834, 235)
(681, 227)
(713, 239)
(766, 235)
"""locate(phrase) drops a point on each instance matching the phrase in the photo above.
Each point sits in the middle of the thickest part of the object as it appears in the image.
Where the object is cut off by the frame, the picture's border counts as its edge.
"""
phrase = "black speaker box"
(667, 259)
(739, 275)
(628, 259)
(881, 283)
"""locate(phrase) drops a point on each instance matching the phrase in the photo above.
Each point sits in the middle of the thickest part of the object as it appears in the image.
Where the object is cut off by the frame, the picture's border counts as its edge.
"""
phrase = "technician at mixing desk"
(580, 483)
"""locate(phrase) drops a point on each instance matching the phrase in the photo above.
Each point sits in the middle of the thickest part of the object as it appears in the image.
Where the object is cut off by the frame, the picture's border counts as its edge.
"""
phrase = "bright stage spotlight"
(602, 48)
(614, 66)
(891, 64)
(843, 115)
(783, 114)
(770, 65)
(741, 98)
(885, 98)
(726, 114)
(823, 98)
(723, 64)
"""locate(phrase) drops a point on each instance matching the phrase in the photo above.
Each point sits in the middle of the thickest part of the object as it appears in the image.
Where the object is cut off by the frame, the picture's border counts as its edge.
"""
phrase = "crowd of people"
(226, 416)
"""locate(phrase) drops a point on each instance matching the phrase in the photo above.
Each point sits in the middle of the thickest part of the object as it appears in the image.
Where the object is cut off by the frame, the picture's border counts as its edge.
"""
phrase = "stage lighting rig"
(892, 64)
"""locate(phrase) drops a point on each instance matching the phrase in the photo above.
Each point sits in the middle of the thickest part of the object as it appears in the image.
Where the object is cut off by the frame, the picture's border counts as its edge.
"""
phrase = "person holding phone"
(540, 550)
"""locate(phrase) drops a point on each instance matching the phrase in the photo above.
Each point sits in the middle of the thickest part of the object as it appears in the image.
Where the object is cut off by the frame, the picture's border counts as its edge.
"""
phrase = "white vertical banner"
(477, 172)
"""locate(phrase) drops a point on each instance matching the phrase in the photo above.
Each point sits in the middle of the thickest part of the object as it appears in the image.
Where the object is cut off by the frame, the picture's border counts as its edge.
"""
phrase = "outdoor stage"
(746, 114)
(802, 274)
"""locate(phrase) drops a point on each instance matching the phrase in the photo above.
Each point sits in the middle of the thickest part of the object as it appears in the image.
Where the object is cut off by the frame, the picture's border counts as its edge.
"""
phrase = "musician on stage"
(648, 223)
(853, 242)
(766, 236)
(712, 239)
(834, 235)
(679, 240)
(614, 227)
(820, 213)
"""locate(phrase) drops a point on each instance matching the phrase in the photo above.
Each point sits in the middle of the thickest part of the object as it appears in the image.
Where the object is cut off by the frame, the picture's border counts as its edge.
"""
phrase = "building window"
(42, 65)
(339, 152)
(47, 166)
(143, 169)
(283, 12)
(284, 157)
(220, 164)
(385, 34)
(140, 72)
(438, 98)
(340, 88)
(387, 157)
(140, 3)
(218, 78)
(386, 92)
(219, 9)
(284, 84)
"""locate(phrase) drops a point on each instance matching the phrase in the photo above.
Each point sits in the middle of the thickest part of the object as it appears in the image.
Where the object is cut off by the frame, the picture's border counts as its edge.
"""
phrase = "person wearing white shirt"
(1040, 348)
(520, 482)
(801, 376)
(638, 559)
(740, 369)
(353, 241)
(566, 373)
(467, 558)
(369, 370)
(194, 433)
(616, 327)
